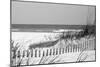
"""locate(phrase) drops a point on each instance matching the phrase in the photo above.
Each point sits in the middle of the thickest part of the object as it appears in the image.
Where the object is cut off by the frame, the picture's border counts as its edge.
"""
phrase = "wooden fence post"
(56, 51)
(47, 52)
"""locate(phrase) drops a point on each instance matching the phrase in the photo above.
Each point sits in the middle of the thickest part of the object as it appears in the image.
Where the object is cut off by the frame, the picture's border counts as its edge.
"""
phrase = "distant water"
(45, 28)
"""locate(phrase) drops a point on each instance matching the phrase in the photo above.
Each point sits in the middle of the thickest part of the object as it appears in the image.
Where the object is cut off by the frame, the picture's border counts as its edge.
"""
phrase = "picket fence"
(88, 44)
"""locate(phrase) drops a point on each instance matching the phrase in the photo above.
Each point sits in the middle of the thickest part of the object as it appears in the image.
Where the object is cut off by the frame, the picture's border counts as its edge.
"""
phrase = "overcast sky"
(44, 13)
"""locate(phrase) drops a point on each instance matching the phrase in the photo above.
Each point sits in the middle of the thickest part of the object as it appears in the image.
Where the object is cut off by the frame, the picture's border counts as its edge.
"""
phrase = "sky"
(44, 13)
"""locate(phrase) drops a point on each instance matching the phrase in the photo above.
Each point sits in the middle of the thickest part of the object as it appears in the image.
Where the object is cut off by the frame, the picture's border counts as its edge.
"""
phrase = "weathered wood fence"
(88, 44)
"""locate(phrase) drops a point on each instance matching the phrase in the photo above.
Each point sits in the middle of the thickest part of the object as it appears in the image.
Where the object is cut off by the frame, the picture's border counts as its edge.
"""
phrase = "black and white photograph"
(44, 33)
